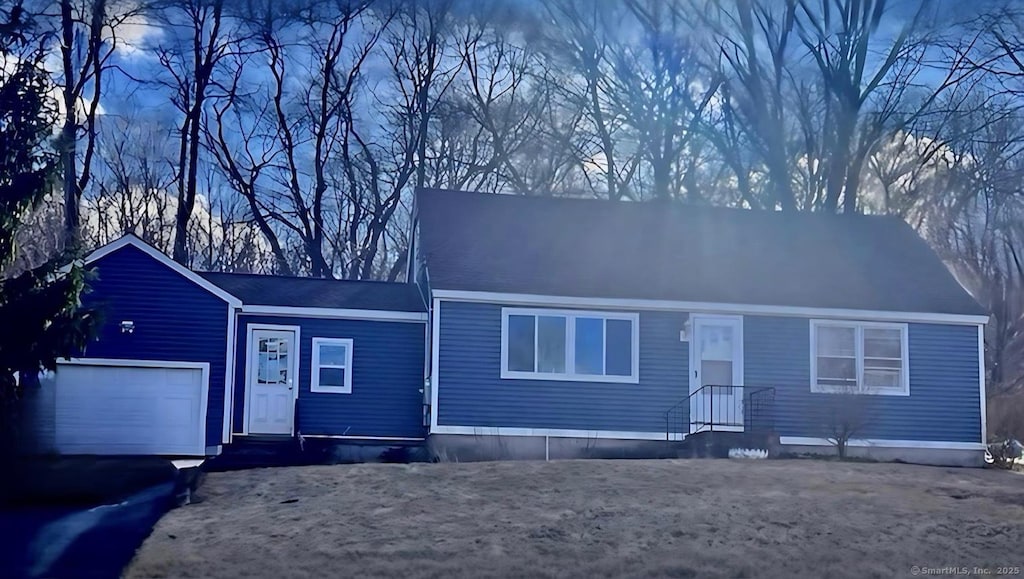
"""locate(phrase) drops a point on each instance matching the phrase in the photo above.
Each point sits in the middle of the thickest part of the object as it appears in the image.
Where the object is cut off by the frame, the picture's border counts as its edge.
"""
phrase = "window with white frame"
(569, 345)
(332, 365)
(859, 358)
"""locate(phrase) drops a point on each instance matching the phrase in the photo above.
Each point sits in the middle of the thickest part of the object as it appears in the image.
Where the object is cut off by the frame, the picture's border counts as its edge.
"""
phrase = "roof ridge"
(301, 277)
(584, 198)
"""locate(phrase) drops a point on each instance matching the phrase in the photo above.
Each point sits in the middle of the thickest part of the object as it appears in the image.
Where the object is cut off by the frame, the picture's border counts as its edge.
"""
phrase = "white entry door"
(271, 381)
(716, 361)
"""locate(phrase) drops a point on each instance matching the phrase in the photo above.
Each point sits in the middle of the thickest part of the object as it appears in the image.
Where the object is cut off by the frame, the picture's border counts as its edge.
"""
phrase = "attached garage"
(127, 407)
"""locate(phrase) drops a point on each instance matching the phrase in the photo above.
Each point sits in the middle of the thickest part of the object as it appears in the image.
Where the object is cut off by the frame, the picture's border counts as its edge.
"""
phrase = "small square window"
(332, 365)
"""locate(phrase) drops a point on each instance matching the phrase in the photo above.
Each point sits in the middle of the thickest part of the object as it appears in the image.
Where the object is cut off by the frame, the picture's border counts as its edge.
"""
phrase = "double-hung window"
(859, 358)
(332, 365)
(541, 344)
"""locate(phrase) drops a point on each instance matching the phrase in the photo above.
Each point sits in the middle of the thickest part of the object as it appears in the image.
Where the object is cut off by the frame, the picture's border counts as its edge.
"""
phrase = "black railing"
(722, 408)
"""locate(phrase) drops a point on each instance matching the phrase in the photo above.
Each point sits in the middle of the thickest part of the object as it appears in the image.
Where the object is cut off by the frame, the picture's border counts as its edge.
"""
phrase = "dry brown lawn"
(593, 518)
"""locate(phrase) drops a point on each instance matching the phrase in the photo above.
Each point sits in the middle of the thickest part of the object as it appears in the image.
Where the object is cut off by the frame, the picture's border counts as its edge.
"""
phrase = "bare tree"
(422, 69)
(198, 42)
(846, 415)
(577, 41)
(84, 36)
(662, 91)
(814, 87)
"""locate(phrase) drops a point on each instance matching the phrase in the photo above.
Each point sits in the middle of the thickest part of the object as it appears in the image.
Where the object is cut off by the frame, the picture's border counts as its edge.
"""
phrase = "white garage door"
(115, 407)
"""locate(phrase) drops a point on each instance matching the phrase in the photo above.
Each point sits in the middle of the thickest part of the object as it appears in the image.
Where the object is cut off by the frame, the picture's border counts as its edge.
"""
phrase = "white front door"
(716, 364)
(271, 381)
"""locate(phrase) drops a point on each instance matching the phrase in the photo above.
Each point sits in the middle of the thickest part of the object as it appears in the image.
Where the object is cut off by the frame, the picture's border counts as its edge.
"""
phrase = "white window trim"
(570, 374)
(859, 328)
(314, 369)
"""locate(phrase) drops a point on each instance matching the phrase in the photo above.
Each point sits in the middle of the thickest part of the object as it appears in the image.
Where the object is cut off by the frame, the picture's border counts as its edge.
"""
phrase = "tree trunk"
(69, 130)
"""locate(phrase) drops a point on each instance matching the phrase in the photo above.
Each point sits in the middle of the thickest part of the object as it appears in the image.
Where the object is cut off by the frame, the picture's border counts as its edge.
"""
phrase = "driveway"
(81, 517)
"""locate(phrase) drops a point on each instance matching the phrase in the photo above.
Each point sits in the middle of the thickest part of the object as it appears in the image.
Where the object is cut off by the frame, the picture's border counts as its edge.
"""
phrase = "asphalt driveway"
(82, 517)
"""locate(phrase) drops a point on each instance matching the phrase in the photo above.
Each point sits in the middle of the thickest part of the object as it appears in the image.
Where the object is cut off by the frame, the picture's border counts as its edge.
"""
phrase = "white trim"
(229, 375)
(425, 384)
(314, 368)
(858, 337)
(248, 375)
(883, 443)
(204, 368)
(570, 374)
(135, 363)
(132, 240)
(706, 307)
(342, 313)
(383, 438)
(435, 356)
(983, 402)
(556, 433)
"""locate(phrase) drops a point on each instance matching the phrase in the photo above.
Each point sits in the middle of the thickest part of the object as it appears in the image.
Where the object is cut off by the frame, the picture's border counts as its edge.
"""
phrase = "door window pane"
(619, 348)
(551, 344)
(716, 373)
(272, 361)
(521, 343)
(589, 346)
(263, 369)
(715, 342)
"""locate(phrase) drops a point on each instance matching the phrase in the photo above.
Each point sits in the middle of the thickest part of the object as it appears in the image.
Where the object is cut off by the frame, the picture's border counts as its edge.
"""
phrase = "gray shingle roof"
(270, 290)
(596, 248)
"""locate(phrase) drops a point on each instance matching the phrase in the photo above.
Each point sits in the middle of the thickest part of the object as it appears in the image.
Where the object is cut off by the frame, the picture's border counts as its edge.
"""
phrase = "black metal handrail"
(752, 412)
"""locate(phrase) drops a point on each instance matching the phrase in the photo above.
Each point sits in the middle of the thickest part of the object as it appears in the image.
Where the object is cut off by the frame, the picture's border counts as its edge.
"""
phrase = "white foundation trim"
(553, 432)
(371, 438)
(884, 443)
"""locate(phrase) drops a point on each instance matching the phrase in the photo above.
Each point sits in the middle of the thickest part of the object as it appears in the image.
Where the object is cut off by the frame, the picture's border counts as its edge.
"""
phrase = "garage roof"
(304, 292)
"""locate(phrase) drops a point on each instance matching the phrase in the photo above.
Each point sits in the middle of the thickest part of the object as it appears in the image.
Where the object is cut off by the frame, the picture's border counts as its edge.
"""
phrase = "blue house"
(185, 362)
(538, 326)
(567, 326)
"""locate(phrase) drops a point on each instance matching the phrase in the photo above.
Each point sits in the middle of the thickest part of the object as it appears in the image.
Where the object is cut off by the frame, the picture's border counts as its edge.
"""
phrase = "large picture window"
(859, 358)
(569, 345)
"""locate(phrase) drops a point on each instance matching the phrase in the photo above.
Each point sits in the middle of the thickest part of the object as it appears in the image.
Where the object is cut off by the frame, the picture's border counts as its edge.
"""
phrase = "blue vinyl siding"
(387, 375)
(175, 319)
(944, 390)
(472, 393)
(943, 405)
